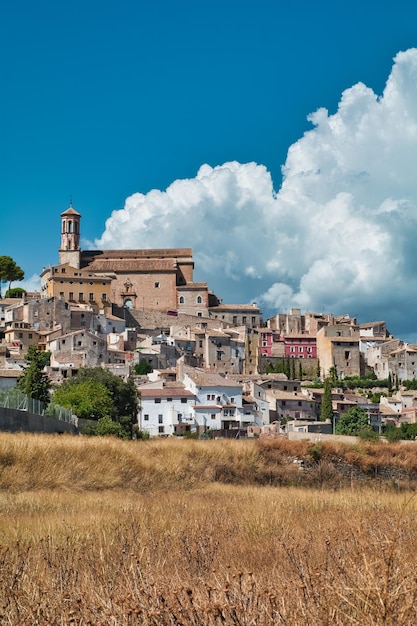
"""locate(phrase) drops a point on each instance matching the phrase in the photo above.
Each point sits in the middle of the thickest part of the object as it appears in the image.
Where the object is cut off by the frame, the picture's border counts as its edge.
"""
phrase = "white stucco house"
(166, 410)
(218, 404)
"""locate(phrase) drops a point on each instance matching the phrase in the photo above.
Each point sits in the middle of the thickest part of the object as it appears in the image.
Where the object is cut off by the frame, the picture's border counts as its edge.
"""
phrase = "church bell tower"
(70, 251)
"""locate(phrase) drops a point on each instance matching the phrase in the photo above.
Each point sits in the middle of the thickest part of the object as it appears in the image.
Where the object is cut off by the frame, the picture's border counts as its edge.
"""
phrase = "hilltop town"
(201, 366)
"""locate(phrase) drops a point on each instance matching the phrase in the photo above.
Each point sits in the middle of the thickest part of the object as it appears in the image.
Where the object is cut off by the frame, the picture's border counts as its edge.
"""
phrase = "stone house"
(338, 346)
(377, 356)
(158, 355)
(292, 405)
(5, 303)
(280, 382)
(295, 323)
(408, 416)
(402, 363)
(27, 321)
(70, 352)
(237, 314)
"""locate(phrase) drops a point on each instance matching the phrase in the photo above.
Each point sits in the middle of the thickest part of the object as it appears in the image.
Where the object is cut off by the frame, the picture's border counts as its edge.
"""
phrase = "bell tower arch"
(70, 251)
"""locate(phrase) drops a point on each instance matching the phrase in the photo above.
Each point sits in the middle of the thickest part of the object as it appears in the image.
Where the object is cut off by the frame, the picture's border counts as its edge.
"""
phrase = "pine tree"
(9, 271)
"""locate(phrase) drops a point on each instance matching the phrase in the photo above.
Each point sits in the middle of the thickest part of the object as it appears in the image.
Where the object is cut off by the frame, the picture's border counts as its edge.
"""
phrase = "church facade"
(153, 280)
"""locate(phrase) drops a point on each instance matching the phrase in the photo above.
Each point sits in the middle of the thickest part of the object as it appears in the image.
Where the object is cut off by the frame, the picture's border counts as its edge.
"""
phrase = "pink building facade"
(265, 341)
(300, 346)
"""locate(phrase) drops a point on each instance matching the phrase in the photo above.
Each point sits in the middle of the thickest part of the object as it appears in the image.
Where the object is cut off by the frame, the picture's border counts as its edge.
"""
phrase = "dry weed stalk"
(125, 534)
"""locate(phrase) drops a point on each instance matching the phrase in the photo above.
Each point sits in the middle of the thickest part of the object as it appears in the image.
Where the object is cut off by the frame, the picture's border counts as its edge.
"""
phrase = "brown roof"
(192, 286)
(287, 395)
(209, 379)
(387, 410)
(165, 392)
(71, 211)
(10, 373)
(158, 253)
(234, 307)
(300, 336)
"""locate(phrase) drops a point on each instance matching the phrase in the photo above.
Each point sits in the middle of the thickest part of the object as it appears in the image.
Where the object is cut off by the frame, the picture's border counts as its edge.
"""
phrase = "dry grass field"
(105, 532)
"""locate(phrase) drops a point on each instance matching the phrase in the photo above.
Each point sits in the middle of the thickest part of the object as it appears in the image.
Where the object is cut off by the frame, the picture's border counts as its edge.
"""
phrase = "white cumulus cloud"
(339, 234)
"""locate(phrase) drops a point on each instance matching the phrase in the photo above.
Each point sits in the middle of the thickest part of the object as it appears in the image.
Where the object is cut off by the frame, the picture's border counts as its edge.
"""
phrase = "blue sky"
(205, 103)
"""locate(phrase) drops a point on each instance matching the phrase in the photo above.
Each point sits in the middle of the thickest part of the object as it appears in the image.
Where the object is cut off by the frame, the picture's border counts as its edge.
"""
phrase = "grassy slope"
(98, 531)
(30, 462)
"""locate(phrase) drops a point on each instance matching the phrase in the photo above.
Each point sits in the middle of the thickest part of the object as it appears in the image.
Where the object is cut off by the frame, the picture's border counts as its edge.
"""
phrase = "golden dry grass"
(80, 463)
(84, 540)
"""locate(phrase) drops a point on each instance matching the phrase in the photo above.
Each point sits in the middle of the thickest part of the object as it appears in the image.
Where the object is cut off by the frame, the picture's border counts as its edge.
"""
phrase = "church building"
(152, 280)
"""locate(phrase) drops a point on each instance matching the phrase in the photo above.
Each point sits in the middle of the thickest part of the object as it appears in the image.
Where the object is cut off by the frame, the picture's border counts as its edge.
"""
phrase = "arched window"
(199, 300)
(128, 303)
(181, 299)
(70, 227)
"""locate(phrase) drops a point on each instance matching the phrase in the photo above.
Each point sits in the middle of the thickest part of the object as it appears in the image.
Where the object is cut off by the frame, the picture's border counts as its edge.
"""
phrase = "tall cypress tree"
(287, 370)
(389, 384)
(34, 383)
(326, 403)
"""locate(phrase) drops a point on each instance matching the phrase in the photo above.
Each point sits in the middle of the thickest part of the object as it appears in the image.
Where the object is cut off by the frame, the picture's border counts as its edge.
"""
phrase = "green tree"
(34, 382)
(333, 375)
(392, 433)
(293, 375)
(352, 422)
(287, 368)
(9, 271)
(375, 398)
(389, 384)
(300, 371)
(108, 427)
(122, 406)
(404, 432)
(16, 292)
(318, 372)
(88, 399)
(141, 368)
(326, 403)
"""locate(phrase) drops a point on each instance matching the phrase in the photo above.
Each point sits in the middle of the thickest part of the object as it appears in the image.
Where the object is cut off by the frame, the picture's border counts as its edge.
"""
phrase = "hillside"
(184, 533)
(32, 462)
